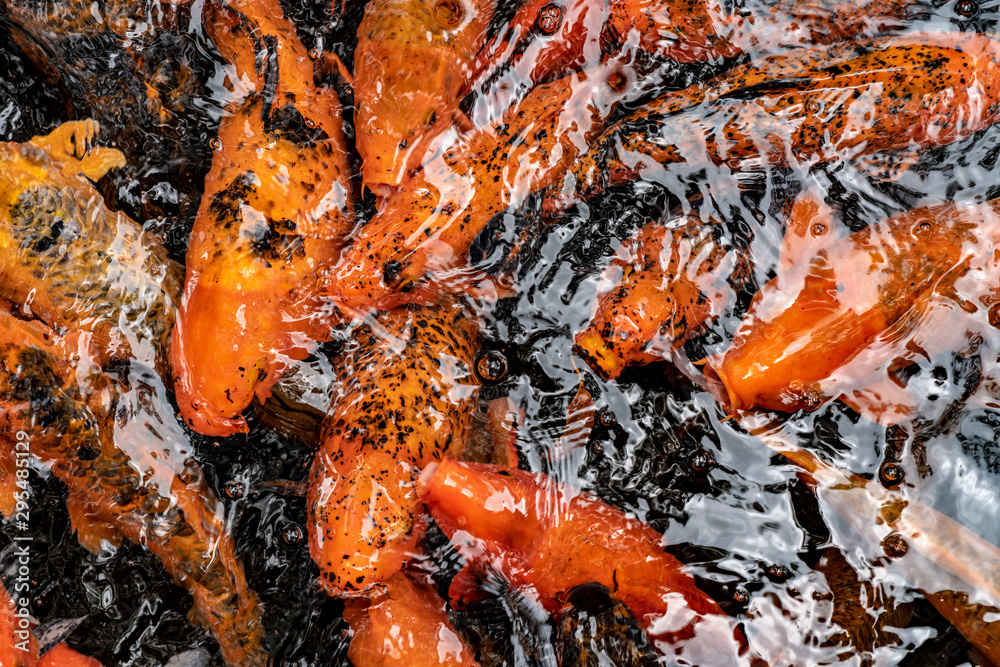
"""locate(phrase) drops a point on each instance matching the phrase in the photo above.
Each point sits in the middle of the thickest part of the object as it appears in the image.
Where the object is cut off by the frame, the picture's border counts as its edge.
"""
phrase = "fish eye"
(449, 12)
(491, 366)
(967, 8)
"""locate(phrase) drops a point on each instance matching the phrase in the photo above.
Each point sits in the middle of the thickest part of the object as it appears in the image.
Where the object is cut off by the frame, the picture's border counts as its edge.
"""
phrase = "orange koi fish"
(545, 40)
(67, 409)
(835, 325)
(69, 260)
(404, 625)
(18, 647)
(886, 96)
(546, 538)
(406, 253)
(957, 570)
(277, 203)
(410, 68)
(688, 32)
(388, 422)
(669, 281)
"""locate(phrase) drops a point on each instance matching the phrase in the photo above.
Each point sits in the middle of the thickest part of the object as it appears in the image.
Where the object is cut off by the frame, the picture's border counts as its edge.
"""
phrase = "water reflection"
(541, 173)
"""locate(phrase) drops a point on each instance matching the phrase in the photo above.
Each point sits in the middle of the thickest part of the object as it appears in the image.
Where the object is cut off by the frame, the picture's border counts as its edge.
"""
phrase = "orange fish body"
(406, 252)
(62, 402)
(69, 260)
(840, 322)
(408, 400)
(18, 647)
(276, 204)
(673, 280)
(543, 41)
(688, 32)
(405, 625)
(548, 538)
(61, 655)
(886, 96)
(411, 64)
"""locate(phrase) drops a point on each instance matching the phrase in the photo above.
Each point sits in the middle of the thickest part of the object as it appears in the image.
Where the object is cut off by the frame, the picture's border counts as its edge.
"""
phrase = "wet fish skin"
(418, 244)
(65, 406)
(840, 322)
(687, 31)
(670, 281)
(410, 68)
(389, 421)
(882, 98)
(545, 538)
(404, 624)
(277, 203)
(71, 261)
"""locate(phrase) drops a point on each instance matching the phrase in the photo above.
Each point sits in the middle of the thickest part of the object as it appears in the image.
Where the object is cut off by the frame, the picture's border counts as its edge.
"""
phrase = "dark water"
(737, 513)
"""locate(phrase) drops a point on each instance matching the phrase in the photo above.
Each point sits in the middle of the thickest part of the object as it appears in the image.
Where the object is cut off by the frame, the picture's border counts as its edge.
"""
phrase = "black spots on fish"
(289, 124)
(34, 382)
(227, 203)
(45, 220)
(391, 272)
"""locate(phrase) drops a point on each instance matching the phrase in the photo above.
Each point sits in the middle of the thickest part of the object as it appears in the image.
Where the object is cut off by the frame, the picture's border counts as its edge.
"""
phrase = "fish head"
(494, 503)
(410, 65)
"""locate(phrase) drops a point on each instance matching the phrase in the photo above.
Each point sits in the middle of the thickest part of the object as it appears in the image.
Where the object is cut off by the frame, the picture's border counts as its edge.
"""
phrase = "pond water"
(800, 567)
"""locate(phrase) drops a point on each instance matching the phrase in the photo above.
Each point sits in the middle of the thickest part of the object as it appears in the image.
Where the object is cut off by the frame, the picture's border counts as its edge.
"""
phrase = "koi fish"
(957, 570)
(70, 261)
(277, 203)
(19, 648)
(410, 67)
(878, 100)
(689, 32)
(409, 250)
(404, 624)
(545, 539)
(548, 39)
(388, 421)
(544, 41)
(67, 408)
(841, 322)
(668, 281)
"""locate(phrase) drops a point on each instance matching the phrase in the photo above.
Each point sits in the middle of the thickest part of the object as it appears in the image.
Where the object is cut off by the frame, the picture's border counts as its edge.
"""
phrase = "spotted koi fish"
(62, 402)
(388, 422)
(669, 280)
(69, 260)
(885, 97)
(277, 203)
(410, 68)
(411, 249)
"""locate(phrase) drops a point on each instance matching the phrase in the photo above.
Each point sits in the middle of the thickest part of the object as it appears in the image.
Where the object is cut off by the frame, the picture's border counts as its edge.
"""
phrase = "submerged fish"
(420, 241)
(18, 646)
(66, 409)
(406, 625)
(957, 570)
(545, 539)
(410, 67)
(688, 31)
(914, 285)
(669, 280)
(69, 260)
(878, 100)
(277, 203)
(408, 399)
